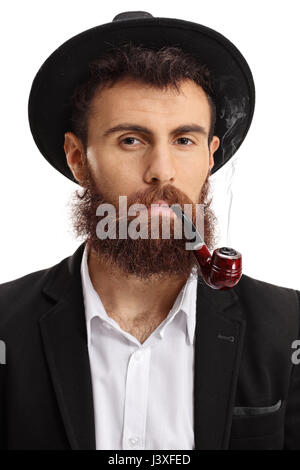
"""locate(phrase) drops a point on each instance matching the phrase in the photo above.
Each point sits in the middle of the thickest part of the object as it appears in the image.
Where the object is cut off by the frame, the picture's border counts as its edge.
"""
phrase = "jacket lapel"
(219, 334)
(65, 342)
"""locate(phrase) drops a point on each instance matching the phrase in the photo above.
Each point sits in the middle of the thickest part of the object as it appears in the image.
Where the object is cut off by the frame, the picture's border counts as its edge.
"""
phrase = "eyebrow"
(136, 128)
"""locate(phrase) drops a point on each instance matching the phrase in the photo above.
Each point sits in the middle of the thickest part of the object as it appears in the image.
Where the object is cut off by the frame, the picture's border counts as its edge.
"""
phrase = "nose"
(160, 167)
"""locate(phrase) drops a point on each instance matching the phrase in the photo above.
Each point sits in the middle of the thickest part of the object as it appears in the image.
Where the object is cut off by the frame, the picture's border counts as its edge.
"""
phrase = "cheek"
(192, 178)
(114, 175)
(103, 163)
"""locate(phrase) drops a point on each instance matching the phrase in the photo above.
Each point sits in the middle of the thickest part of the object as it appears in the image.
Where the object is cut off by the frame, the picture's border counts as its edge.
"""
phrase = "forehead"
(133, 99)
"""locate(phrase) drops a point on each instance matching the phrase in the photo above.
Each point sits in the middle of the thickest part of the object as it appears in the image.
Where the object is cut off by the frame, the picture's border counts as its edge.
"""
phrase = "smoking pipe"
(221, 270)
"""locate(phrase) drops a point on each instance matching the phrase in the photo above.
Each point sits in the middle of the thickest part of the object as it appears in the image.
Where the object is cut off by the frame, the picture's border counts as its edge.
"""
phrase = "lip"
(160, 207)
(161, 202)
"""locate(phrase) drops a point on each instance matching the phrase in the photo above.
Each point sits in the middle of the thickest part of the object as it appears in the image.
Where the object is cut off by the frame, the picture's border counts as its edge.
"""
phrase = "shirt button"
(133, 441)
(138, 355)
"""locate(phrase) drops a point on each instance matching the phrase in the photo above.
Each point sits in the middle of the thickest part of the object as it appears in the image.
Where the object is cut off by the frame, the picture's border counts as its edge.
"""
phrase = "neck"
(130, 299)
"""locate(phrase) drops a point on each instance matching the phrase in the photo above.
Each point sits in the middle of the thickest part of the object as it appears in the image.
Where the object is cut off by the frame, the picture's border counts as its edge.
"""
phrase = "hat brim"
(49, 110)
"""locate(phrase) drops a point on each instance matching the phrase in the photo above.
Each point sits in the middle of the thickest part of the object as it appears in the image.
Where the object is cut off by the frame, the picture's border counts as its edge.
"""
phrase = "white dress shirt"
(142, 393)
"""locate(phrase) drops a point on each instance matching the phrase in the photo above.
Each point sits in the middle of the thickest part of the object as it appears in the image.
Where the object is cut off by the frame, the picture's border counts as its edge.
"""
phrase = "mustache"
(168, 193)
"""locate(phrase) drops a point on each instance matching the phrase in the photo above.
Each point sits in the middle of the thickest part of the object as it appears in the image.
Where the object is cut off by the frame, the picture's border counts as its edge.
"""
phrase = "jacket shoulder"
(250, 287)
(24, 294)
(269, 304)
(248, 282)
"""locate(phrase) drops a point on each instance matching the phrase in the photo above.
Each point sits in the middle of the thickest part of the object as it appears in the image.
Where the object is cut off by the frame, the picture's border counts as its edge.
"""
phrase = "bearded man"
(123, 345)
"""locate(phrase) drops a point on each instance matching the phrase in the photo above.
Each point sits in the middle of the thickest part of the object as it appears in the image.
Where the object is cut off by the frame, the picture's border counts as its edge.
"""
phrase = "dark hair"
(161, 68)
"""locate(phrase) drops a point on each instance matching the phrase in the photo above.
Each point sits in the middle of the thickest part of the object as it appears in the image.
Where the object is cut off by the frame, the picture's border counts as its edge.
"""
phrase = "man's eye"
(129, 139)
(185, 139)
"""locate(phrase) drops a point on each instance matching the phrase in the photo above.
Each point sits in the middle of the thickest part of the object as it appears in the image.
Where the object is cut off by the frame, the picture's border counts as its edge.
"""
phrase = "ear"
(214, 145)
(74, 154)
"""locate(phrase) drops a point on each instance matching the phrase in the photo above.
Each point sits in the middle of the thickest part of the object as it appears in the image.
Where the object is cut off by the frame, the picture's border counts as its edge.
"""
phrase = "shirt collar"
(185, 301)
(92, 302)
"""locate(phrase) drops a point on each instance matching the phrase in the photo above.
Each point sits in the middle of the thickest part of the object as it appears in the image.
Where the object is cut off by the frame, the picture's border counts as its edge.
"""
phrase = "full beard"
(142, 258)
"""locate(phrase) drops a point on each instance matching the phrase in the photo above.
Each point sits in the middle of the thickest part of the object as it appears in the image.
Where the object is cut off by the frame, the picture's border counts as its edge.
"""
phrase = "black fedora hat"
(49, 108)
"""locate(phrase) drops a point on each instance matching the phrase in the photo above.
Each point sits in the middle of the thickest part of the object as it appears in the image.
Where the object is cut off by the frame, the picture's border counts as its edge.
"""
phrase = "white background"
(36, 231)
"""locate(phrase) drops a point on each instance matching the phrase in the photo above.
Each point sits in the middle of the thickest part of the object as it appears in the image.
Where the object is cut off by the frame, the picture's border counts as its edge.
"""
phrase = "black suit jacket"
(246, 388)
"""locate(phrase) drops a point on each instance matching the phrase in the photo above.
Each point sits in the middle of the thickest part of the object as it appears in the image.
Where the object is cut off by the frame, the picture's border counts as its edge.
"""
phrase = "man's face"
(146, 144)
(125, 160)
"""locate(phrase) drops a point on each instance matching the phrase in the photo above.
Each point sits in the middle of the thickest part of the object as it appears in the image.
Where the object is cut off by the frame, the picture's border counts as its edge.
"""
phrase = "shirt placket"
(136, 399)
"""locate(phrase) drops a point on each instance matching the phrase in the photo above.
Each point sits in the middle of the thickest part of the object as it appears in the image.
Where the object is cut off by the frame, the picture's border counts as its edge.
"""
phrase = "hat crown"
(130, 15)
